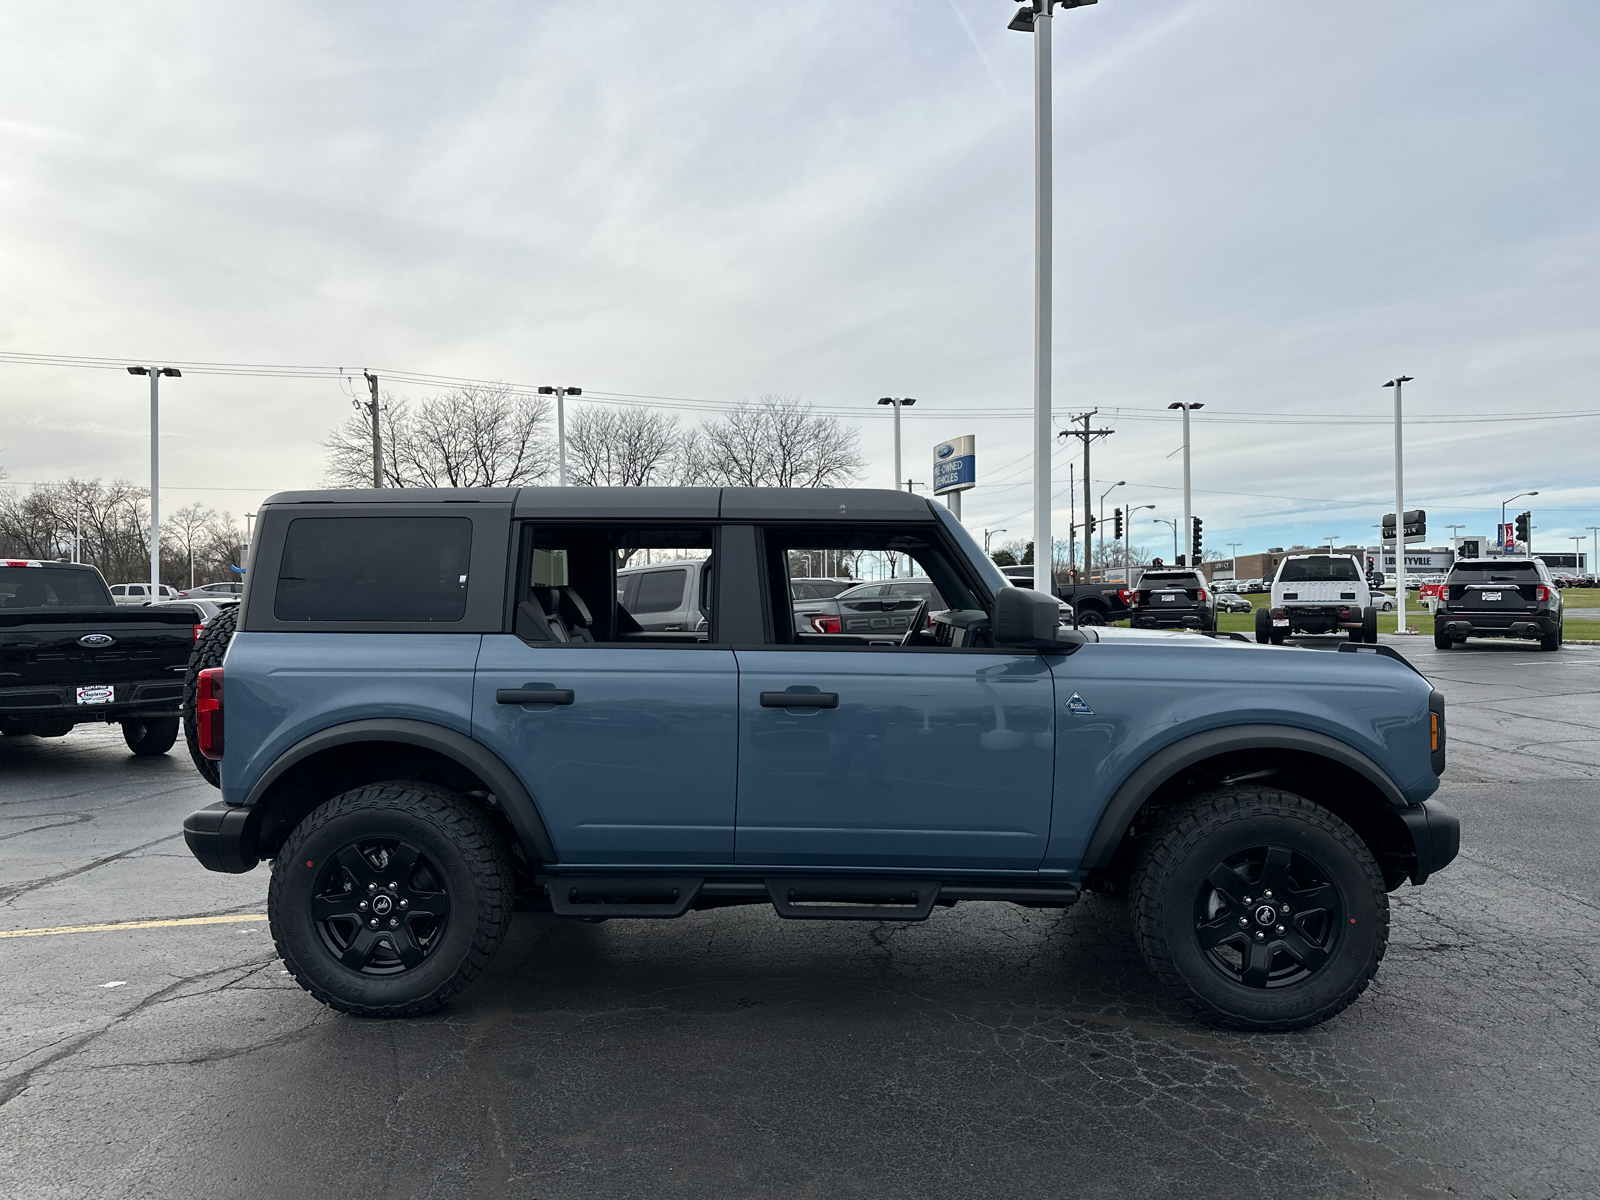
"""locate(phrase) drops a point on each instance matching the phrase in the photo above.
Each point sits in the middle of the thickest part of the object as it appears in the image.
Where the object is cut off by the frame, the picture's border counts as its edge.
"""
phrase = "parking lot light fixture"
(1188, 508)
(1501, 532)
(1594, 549)
(987, 534)
(155, 374)
(898, 402)
(1398, 383)
(561, 394)
(1127, 544)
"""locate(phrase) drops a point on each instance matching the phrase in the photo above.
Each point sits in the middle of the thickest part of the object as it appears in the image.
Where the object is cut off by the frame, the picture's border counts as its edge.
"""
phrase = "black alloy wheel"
(1267, 917)
(1259, 909)
(389, 899)
(380, 906)
(1091, 616)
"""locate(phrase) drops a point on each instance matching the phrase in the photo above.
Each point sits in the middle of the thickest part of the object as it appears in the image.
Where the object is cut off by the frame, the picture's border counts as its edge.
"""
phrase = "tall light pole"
(1594, 554)
(898, 402)
(987, 534)
(1188, 512)
(1173, 521)
(1100, 524)
(1034, 16)
(1502, 530)
(1577, 551)
(155, 374)
(1398, 383)
(561, 394)
(1127, 546)
(1332, 538)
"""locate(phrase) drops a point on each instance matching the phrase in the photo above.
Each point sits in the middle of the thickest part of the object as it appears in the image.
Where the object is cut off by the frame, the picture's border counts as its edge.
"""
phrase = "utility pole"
(1088, 435)
(377, 436)
(1188, 508)
(1399, 509)
(898, 402)
(561, 394)
(1034, 17)
(155, 374)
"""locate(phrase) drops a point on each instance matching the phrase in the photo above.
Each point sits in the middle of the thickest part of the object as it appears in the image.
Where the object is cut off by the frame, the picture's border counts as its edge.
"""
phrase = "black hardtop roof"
(650, 503)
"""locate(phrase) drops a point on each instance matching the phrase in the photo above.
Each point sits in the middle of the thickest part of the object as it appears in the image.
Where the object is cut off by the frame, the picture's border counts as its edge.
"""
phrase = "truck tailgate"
(93, 646)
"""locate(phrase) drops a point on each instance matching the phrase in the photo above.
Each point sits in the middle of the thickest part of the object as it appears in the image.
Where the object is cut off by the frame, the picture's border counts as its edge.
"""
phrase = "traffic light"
(1117, 523)
(1525, 527)
(1197, 556)
(1181, 561)
(1088, 526)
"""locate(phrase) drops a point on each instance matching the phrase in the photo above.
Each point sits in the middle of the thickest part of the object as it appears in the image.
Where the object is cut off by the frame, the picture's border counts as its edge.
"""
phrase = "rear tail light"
(196, 635)
(1542, 592)
(1202, 595)
(208, 713)
(1126, 595)
(1344, 614)
(825, 624)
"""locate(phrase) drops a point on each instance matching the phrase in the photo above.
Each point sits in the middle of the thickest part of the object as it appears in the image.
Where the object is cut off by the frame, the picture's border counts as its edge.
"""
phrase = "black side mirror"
(1024, 617)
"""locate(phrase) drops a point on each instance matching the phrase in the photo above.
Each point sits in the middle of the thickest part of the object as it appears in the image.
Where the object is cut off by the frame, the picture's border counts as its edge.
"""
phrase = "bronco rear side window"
(367, 569)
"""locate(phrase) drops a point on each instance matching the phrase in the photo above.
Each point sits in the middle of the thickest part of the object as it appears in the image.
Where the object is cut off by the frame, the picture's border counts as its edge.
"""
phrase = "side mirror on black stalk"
(1024, 617)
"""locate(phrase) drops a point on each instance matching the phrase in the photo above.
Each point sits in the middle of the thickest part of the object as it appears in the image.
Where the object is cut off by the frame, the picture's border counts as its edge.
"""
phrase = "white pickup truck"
(1318, 593)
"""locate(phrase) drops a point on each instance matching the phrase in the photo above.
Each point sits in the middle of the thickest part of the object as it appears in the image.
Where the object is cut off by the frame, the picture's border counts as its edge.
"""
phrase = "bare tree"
(776, 441)
(180, 534)
(475, 436)
(627, 447)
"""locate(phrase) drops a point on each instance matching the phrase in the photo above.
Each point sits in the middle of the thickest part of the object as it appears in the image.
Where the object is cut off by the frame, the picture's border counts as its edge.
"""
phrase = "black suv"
(1499, 597)
(1173, 600)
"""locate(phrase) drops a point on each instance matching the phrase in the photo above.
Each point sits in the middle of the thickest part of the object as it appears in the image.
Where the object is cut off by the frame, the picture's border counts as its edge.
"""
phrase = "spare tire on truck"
(209, 649)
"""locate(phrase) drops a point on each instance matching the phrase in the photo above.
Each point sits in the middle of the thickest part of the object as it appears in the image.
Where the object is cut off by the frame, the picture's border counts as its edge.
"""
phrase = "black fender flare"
(488, 766)
(1168, 761)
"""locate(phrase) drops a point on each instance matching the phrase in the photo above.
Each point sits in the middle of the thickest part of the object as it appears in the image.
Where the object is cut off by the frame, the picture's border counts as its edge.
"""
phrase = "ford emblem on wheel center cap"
(96, 639)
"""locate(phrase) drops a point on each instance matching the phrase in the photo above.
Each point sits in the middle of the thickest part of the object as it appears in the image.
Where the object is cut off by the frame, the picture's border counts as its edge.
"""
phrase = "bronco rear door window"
(374, 569)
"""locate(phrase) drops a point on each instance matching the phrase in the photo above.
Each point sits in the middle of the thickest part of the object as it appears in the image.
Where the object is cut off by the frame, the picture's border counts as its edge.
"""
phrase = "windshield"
(1319, 570)
(1499, 572)
(52, 587)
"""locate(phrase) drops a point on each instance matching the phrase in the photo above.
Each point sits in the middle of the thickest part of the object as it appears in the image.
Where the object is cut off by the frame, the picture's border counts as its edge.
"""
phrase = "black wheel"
(388, 900)
(1369, 627)
(1263, 626)
(208, 652)
(1442, 640)
(1259, 909)
(148, 738)
(1553, 641)
(1091, 616)
(1277, 637)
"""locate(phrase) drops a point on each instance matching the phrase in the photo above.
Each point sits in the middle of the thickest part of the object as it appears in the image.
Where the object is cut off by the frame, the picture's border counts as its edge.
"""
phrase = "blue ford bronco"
(437, 710)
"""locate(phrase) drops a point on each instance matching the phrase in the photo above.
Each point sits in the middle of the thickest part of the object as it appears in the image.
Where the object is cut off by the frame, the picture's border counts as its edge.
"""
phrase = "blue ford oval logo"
(96, 639)
(946, 450)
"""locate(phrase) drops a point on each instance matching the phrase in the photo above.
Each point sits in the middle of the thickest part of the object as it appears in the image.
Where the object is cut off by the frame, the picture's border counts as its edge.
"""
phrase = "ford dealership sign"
(955, 466)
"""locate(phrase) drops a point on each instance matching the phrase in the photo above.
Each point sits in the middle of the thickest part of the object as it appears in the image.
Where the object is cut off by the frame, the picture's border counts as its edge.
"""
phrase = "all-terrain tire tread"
(479, 844)
(209, 649)
(1157, 860)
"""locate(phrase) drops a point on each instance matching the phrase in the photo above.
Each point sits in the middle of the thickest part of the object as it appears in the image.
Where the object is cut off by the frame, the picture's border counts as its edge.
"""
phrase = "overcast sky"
(1270, 208)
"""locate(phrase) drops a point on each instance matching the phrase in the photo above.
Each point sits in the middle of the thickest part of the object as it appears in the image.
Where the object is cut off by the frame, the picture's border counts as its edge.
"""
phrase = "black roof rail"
(1385, 651)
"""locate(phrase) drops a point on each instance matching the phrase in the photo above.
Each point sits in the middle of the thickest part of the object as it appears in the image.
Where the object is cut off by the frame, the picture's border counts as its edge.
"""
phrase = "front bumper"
(1435, 834)
(223, 837)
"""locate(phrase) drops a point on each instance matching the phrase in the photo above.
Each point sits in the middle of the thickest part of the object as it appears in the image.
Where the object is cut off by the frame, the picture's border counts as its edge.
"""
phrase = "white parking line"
(228, 920)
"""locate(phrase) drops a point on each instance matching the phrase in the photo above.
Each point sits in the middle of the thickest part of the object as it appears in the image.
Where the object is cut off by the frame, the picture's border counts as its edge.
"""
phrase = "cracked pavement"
(988, 1051)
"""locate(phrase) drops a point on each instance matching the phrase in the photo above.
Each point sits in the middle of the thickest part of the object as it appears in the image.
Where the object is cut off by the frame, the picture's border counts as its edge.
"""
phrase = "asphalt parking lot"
(990, 1051)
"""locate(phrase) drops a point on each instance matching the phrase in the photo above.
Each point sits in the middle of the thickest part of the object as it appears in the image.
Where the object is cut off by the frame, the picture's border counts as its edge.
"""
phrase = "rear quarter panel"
(1149, 692)
(282, 687)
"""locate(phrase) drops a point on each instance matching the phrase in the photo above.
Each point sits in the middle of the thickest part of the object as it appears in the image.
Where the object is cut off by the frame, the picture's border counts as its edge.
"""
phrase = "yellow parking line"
(228, 920)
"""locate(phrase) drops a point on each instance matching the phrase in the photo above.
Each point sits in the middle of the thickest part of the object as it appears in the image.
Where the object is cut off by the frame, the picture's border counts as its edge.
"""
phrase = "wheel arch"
(1321, 768)
(350, 755)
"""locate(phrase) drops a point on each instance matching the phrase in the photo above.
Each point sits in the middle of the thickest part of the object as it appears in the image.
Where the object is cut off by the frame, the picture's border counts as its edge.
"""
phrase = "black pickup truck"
(69, 655)
(1095, 603)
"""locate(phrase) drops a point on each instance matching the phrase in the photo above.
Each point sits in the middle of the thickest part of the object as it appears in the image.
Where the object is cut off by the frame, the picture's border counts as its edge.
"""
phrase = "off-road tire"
(1442, 640)
(1091, 616)
(151, 737)
(457, 841)
(1184, 852)
(1553, 641)
(209, 649)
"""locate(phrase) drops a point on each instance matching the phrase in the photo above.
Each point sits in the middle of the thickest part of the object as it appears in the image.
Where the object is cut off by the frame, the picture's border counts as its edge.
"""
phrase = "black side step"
(803, 899)
(621, 895)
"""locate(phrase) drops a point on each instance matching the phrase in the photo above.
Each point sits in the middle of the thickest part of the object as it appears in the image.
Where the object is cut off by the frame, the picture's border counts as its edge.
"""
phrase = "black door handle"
(799, 699)
(534, 695)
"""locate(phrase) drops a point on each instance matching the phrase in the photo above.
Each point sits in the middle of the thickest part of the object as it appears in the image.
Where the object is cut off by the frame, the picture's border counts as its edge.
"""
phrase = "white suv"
(1318, 593)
